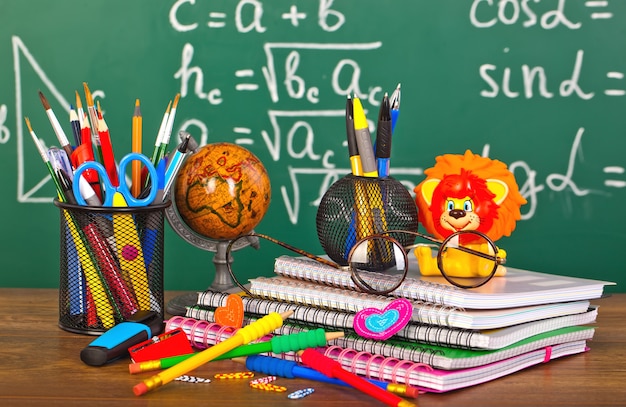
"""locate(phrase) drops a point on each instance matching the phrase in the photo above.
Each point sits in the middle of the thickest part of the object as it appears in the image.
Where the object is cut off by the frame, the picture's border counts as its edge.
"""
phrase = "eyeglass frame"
(385, 235)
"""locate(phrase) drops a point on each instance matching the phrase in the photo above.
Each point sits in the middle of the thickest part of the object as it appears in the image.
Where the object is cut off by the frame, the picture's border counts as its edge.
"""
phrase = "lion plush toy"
(466, 192)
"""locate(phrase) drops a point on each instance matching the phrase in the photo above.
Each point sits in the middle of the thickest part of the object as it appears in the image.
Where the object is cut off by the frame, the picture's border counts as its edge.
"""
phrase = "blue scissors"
(108, 188)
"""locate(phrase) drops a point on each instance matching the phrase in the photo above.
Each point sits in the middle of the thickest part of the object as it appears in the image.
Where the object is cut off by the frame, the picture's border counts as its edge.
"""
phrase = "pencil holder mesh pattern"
(355, 207)
(111, 265)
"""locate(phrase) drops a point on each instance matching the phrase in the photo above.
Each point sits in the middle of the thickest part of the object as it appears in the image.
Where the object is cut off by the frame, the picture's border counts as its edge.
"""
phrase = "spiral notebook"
(317, 295)
(426, 333)
(438, 380)
(516, 289)
(203, 334)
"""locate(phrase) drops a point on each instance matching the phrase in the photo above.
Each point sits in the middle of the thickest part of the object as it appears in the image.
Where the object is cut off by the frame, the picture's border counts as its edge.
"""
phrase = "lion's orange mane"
(507, 213)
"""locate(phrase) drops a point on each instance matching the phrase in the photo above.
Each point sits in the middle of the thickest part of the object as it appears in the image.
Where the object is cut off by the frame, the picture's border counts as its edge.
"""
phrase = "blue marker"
(115, 342)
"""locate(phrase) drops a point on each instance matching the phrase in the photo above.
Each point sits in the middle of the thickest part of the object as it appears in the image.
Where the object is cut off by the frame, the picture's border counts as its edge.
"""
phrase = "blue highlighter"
(114, 343)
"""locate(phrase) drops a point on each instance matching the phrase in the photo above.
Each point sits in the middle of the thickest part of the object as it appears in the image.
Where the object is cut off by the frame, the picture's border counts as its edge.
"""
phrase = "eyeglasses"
(379, 263)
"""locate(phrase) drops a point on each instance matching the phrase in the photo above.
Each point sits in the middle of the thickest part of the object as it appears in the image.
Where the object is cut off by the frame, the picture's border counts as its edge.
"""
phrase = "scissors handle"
(123, 187)
(108, 188)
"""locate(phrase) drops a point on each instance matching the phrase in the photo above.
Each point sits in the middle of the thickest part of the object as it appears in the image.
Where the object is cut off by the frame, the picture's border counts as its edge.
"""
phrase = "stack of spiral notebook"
(456, 337)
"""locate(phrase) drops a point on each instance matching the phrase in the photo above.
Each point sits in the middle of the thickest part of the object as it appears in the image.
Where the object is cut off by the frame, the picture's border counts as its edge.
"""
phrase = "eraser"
(140, 389)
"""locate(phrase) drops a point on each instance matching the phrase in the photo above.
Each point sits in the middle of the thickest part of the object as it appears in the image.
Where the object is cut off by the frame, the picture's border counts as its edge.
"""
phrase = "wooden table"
(40, 365)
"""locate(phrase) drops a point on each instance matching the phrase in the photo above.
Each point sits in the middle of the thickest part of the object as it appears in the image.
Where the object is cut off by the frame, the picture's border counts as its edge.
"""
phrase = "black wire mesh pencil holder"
(111, 265)
(356, 207)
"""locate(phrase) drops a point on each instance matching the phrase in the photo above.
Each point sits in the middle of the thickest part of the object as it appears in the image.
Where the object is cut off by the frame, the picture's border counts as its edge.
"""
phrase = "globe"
(222, 191)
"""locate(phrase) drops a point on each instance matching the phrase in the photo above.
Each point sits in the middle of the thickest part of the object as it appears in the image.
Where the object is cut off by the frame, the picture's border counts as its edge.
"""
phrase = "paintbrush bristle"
(88, 97)
(44, 101)
(176, 101)
(30, 129)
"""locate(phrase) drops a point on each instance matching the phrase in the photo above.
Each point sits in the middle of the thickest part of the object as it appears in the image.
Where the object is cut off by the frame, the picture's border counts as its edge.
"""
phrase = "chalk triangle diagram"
(28, 193)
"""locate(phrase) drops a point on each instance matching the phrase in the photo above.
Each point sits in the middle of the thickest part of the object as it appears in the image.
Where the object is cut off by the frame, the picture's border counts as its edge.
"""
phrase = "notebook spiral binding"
(308, 270)
(296, 292)
(203, 334)
(201, 330)
(317, 317)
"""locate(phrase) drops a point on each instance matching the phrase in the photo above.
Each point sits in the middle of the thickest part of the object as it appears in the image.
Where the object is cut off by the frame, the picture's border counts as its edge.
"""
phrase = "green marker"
(278, 344)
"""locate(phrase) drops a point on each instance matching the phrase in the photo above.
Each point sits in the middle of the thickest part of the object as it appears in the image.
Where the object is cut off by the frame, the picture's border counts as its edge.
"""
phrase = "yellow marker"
(103, 306)
(130, 253)
(364, 140)
(243, 336)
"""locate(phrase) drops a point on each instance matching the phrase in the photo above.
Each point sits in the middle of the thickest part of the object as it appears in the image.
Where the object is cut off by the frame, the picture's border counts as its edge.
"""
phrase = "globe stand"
(222, 281)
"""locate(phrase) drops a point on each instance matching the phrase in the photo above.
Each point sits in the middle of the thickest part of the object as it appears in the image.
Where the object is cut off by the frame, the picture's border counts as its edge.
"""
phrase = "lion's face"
(459, 215)
(468, 192)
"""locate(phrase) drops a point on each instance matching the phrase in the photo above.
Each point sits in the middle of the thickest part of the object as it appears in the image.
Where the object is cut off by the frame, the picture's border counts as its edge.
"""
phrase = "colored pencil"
(79, 109)
(93, 117)
(75, 123)
(107, 150)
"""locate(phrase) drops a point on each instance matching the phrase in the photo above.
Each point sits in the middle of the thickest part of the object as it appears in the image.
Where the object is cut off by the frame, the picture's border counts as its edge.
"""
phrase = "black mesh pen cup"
(111, 265)
(356, 207)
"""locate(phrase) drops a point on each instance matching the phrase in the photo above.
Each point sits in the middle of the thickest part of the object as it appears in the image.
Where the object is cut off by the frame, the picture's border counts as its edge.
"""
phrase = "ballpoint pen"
(383, 138)
(394, 104)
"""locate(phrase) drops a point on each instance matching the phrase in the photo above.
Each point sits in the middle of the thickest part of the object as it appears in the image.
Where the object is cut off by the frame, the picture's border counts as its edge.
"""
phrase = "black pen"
(66, 184)
(383, 137)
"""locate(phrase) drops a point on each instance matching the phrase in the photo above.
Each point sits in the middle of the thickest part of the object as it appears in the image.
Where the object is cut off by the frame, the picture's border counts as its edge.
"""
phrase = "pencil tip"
(286, 314)
(79, 104)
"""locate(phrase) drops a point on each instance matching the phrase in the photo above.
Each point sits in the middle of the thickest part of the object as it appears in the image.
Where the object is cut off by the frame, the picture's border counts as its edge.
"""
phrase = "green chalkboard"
(537, 85)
